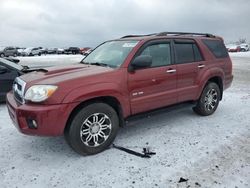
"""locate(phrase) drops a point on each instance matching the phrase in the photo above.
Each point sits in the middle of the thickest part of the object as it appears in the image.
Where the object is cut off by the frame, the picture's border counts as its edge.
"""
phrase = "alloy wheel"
(95, 130)
(211, 99)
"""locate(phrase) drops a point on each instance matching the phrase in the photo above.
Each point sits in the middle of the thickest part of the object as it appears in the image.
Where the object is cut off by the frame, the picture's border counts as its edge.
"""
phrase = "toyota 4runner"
(88, 101)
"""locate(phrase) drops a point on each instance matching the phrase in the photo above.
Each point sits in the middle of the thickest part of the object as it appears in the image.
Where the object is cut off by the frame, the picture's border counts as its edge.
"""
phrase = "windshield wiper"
(83, 62)
(25, 67)
(100, 64)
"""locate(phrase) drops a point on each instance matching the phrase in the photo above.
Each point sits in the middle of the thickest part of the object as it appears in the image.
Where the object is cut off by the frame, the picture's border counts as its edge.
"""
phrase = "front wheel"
(92, 129)
(209, 100)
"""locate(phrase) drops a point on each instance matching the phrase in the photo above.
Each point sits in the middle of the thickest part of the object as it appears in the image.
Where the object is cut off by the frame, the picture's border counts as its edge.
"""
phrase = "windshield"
(1, 48)
(112, 53)
(11, 64)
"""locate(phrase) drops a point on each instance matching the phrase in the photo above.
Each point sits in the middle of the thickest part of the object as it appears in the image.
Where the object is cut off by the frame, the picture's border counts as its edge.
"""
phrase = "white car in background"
(33, 51)
(244, 47)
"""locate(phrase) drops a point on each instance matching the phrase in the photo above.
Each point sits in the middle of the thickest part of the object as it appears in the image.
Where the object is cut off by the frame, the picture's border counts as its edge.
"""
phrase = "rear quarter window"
(217, 47)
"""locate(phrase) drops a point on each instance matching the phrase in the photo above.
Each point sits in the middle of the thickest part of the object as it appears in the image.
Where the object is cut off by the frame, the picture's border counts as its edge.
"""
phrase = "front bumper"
(51, 119)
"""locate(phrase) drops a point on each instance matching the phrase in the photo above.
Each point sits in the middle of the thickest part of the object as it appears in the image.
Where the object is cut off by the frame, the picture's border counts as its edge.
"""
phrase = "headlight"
(39, 93)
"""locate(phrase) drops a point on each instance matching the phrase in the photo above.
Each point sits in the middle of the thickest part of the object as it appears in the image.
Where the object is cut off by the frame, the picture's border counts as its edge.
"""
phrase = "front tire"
(209, 100)
(92, 129)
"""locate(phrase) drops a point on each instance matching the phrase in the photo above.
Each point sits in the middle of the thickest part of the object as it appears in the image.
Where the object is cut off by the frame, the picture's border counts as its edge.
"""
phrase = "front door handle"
(171, 70)
(201, 66)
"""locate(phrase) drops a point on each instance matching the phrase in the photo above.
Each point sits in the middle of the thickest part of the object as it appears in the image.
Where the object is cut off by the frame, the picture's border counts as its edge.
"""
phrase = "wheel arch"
(219, 82)
(110, 100)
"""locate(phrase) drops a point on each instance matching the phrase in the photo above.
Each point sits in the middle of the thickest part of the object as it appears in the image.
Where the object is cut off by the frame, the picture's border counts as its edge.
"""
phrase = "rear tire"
(209, 100)
(92, 129)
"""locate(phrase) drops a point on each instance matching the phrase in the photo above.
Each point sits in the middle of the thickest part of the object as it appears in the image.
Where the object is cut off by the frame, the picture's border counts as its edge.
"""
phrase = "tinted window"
(187, 52)
(197, 53)
(184, 52)
(160, 54)
(216, 47)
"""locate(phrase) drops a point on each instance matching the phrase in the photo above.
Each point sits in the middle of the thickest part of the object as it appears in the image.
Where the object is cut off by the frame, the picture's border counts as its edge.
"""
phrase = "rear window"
(217, 47)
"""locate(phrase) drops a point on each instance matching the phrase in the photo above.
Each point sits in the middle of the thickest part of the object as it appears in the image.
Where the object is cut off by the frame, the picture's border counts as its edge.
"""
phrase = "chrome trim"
(171, 71)
(201, 66)
(20, 92)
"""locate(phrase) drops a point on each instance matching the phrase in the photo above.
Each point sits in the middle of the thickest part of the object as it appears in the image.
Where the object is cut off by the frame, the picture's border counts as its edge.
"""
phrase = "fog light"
(32, 124)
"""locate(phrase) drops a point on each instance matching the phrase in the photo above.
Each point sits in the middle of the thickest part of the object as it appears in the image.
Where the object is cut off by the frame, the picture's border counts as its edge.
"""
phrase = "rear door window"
(187, 51)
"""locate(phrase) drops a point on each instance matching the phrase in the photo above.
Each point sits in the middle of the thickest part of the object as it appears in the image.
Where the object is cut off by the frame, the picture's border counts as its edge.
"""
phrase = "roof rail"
(184, 33)
(171, 33)
(128, 36)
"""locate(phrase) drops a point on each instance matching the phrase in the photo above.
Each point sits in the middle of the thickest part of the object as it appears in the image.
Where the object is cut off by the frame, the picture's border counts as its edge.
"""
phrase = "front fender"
(88, 92)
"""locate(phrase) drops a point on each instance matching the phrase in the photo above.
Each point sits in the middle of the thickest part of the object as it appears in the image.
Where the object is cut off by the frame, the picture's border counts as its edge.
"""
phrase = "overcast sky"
(62, 23)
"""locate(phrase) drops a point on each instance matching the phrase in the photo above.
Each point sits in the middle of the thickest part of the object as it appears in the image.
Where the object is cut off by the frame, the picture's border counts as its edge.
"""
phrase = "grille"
(18, 90)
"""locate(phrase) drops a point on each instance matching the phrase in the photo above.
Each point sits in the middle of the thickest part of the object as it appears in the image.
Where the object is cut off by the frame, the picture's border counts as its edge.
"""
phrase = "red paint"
(79, 83)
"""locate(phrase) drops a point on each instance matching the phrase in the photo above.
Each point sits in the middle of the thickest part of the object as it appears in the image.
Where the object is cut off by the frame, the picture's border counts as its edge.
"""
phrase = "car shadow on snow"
(137, 127)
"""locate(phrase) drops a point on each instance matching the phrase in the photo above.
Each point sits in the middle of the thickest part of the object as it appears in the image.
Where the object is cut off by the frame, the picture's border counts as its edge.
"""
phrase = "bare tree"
(242, 40)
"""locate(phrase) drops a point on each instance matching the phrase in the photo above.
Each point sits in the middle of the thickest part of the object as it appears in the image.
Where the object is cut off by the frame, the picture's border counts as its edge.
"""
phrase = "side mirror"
(3, 69)
(142, 61)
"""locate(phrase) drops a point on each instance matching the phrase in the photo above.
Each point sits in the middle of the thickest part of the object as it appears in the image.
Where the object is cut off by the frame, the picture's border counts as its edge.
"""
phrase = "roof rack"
(185, 33)
(129, 36)
(172, 33)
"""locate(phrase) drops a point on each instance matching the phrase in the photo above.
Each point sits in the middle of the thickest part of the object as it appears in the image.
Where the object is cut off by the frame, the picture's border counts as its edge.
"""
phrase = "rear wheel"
(209, 100)
(92, 129)
(1, 55)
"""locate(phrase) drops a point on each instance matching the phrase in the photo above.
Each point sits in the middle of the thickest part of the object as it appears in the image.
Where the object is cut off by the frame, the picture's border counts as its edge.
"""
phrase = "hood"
(55, 75)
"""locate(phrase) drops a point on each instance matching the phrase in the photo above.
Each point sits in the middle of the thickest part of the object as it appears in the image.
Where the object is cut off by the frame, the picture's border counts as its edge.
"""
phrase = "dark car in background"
(8, 72)
(72, 50)
(8, 51)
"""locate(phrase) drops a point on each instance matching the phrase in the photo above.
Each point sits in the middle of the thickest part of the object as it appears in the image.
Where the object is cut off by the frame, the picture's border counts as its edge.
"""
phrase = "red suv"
(88, 101)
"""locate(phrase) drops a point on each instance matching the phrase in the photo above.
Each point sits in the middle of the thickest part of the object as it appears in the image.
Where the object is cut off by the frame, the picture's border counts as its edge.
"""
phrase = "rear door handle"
(171, 70)
(201, 66)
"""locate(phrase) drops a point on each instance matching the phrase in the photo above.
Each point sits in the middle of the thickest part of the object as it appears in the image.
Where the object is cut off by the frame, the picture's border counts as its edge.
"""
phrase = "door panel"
(190, 65)
(152, 88)
(187, 81)
(155, 86)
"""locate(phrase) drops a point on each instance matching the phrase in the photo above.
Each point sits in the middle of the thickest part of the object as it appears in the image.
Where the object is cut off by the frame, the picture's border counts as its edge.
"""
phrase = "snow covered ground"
(49, 60)
(209, 151)
(240, 54)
